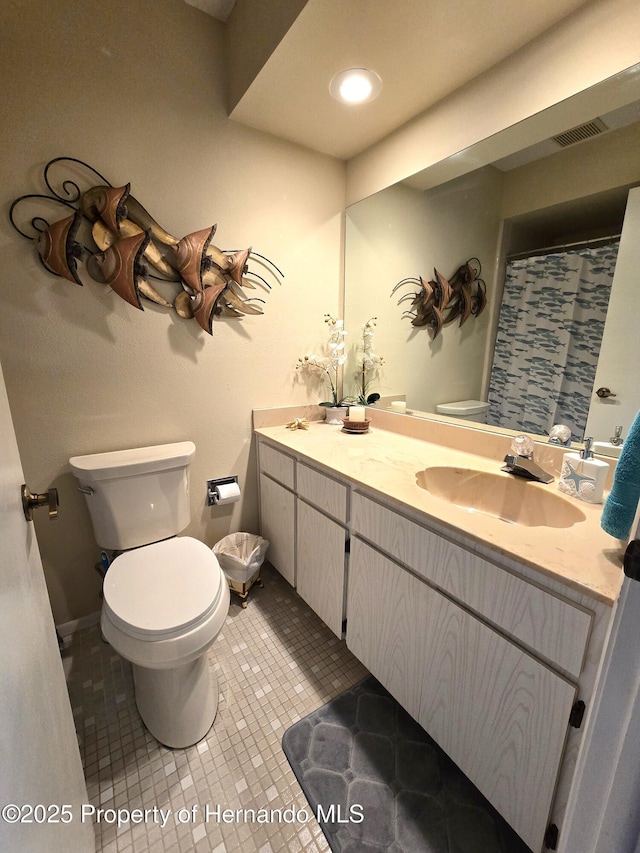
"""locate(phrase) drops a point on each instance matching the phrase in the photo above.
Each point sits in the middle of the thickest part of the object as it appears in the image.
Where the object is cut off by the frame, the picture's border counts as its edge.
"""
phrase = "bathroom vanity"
(489, 633)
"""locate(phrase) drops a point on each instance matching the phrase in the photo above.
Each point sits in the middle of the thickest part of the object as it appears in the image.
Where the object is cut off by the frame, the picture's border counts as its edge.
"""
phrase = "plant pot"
(334, 414)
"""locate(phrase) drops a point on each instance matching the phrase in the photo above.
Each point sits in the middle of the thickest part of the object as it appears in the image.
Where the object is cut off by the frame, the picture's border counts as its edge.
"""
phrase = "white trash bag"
(240, 555)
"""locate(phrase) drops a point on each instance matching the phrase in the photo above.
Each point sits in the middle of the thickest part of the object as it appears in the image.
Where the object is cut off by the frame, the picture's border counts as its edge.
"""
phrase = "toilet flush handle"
(31, 501)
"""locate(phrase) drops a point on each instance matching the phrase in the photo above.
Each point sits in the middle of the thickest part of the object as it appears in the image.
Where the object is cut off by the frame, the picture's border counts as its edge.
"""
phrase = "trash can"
(241, 556)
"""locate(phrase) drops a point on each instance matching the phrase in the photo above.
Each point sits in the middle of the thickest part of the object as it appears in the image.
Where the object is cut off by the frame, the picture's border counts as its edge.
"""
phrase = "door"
(620, 349)
(602, 814)
(41, 768)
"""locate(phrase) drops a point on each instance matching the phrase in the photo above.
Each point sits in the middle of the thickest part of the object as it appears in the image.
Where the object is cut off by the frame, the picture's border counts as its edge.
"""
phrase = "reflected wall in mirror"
(522, 204)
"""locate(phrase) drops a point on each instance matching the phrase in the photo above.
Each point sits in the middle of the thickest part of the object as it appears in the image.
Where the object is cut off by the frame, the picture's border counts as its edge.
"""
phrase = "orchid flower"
(370, 362)
(330, 364)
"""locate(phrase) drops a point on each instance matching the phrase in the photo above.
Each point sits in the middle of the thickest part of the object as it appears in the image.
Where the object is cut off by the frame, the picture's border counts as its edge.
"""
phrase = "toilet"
(466, 410)
(165, 596)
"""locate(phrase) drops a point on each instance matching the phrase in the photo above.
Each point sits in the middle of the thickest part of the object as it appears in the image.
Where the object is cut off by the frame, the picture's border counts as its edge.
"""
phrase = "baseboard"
(65, 629)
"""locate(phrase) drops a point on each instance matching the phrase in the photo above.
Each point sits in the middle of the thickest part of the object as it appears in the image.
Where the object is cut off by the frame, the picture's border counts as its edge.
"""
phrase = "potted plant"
(329, 366)
(369, 364)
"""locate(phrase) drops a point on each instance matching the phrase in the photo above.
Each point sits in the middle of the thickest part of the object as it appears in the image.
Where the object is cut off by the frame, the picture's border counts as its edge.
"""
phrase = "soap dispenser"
(582, 476)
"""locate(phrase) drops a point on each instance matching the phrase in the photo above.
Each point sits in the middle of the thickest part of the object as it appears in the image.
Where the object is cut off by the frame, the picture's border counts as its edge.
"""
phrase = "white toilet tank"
(136, 496)
(466, 410)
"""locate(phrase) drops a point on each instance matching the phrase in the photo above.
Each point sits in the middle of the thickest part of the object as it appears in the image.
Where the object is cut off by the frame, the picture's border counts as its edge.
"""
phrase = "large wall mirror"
(564, 210)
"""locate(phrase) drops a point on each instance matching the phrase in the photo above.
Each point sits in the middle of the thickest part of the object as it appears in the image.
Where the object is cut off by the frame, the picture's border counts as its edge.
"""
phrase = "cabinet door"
(320, 565)
(277, 523)
(499, 713)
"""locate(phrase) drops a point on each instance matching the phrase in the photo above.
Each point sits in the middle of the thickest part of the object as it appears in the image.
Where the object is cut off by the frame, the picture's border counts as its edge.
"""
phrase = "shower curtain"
(549, 334)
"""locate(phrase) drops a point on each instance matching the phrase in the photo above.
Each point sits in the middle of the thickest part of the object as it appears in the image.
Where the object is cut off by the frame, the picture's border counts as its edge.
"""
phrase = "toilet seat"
(163, 590)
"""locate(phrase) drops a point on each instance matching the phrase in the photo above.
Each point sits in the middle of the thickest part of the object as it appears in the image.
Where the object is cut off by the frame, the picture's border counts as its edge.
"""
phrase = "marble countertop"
(582, 556)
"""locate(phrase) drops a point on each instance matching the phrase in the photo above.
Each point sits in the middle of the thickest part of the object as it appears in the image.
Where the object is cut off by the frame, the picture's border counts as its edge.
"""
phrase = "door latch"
(31, 502)
(605, 393)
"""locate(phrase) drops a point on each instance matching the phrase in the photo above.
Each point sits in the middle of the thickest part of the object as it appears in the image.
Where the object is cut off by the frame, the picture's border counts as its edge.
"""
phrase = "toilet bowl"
(165, 596)
(164, 605)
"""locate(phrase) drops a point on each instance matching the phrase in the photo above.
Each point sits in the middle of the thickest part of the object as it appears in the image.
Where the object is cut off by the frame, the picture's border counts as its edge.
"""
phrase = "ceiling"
(422, 49)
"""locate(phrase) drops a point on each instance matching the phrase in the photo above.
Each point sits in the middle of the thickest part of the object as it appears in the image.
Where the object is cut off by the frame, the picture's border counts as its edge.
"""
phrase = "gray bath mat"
(377, 782)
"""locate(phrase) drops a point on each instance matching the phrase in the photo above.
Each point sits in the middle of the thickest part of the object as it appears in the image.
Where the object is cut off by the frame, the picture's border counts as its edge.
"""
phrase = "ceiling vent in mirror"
(580, 133)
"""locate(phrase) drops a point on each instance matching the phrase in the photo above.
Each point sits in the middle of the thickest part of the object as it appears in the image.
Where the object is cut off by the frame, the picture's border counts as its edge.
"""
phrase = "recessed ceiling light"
(355, 86)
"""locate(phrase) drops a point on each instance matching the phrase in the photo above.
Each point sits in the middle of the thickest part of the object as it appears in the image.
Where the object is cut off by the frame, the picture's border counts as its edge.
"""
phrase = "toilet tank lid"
(137, 460)
(462, 407)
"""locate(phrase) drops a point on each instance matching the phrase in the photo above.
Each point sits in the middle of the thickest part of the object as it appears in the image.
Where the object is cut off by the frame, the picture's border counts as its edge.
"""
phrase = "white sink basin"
(605, 448)
(501, 495)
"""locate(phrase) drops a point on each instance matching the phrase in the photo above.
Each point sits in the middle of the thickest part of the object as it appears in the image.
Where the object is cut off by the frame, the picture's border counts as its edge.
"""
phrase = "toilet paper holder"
(212, 488)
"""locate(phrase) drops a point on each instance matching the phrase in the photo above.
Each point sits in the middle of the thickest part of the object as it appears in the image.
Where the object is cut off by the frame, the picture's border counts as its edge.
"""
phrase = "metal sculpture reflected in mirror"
(438, 302)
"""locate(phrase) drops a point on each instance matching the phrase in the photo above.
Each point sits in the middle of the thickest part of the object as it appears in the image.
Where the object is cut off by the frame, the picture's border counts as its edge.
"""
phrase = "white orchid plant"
(329, 365)
(370, 363)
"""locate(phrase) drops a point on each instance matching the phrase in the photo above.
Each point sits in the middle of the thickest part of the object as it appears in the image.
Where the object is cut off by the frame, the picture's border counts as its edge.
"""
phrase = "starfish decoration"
(298, 423)
(575, 477)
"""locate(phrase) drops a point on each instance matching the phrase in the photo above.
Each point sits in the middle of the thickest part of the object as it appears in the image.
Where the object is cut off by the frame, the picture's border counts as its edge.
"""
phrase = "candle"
(356, 414)
(399, 406)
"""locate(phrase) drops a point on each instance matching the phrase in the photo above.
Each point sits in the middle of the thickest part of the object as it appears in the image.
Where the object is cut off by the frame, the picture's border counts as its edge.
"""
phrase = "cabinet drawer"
(549, 625)
(277, 465)
(323, 492)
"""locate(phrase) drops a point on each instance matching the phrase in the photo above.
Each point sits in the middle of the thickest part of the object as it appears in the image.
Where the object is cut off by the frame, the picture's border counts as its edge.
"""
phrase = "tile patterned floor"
(276, 662)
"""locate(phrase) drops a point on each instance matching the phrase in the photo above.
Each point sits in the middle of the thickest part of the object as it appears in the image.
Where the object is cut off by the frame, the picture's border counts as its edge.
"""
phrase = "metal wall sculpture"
(129, 249)
(442, 300)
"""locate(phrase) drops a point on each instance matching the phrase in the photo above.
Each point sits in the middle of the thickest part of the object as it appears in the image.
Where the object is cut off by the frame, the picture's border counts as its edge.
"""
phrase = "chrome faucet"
(520, 461)
(520, 466)
(617, 439)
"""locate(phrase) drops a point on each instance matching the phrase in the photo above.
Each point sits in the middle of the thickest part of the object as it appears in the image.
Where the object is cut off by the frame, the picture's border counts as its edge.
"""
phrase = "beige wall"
(136, 90)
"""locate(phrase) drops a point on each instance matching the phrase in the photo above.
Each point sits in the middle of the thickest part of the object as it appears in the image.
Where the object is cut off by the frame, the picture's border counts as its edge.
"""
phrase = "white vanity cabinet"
(479, 657)
(496, 658)
(303, 514)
